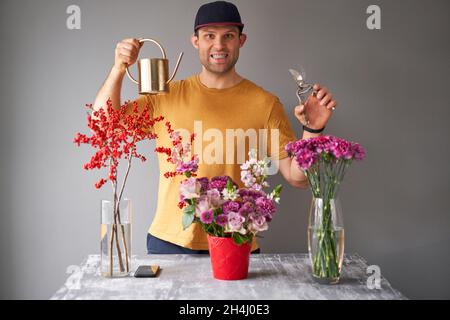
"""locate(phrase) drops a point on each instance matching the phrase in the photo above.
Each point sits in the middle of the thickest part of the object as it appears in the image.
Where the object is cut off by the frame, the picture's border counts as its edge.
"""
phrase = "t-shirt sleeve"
(278, 119)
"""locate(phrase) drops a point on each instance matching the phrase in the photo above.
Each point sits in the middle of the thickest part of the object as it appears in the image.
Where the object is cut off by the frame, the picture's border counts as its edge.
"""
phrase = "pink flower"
(190, 166)
(190, 188)
(207, 217)
(246, 208)
(202, 205)
(358, 152)
(214, 197)
(305, 158)
(265, 207)
(235, 223)
(230, 206)
(222, 220)
(258, 223)
(342, 149)
(204, 182)
(220, 182)
(307, 151)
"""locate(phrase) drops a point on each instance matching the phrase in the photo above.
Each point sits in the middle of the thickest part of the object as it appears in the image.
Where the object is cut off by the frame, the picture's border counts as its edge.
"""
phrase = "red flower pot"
(229, 261)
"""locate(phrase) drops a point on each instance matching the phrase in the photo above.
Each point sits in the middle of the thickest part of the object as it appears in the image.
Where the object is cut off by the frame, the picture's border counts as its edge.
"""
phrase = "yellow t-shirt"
(209, 113)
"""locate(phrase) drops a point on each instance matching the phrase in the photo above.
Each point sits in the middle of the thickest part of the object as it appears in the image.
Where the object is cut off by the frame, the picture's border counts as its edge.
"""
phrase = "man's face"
(218, 47)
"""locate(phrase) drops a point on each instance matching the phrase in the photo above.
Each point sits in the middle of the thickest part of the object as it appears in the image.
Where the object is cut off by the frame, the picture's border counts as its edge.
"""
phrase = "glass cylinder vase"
(115, 238)
(326, 239)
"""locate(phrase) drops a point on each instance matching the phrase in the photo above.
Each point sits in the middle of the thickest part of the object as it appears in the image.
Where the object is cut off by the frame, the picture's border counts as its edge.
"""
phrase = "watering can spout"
(176, 68)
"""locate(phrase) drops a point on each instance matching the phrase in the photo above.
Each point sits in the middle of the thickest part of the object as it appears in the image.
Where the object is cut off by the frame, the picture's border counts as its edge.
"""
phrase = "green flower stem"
(324, 177)
(325, 260)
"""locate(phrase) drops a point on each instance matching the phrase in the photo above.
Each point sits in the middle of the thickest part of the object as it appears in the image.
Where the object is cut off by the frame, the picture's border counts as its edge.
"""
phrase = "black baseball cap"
(218, 13)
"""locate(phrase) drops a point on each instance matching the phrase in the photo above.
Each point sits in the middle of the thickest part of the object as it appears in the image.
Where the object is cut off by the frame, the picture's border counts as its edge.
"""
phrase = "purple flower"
(265, 207)
(207, 217)
(250, 193)
(190, 166)
(246, 208)
(235, 223)
(204, 182)
(305, 158)
(222, 220)
(293, 147)
(358, 152)
(342, 149)
(307, 151)
(322, 144)
(242, 192)
(214, 197)
(220, 182)
(230, 206)
(258, 223)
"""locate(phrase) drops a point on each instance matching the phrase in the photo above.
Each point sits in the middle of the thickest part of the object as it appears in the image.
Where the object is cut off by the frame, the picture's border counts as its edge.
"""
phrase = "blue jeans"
(158, 246)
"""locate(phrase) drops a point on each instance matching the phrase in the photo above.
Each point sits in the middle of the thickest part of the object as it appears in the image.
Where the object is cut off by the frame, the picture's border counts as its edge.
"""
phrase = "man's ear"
(242, 39)
(194, 41)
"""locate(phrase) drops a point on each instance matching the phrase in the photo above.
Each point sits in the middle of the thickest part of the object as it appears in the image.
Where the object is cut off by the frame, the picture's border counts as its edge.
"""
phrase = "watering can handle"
(162, 51)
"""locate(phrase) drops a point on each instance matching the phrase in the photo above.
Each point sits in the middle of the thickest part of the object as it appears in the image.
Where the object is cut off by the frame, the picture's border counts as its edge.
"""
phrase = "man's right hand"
(126, 53)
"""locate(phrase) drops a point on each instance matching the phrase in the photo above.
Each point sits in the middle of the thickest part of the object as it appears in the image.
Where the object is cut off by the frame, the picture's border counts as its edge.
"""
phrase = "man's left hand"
(318, 108)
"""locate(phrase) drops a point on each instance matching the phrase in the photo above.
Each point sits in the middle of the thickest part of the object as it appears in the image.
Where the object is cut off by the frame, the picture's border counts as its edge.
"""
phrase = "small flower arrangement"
(324, 160)
(217, 204)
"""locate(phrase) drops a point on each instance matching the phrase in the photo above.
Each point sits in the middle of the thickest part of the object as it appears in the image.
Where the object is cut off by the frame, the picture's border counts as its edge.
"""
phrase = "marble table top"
(189, 277)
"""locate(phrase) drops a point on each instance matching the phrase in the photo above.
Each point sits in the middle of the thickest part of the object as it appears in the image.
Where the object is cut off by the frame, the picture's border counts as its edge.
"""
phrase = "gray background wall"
(391, 86)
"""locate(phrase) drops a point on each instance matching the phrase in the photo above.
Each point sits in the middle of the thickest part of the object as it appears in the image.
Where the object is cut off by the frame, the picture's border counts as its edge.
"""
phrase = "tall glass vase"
(326, 239)
(115, 238)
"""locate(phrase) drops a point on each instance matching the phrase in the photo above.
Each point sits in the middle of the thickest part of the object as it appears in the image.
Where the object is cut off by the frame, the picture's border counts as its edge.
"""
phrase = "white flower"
(272, 196)
(245, 166)
(230, 194)
(247, 178)
(254, 172)
(190, 188)
(257, 187)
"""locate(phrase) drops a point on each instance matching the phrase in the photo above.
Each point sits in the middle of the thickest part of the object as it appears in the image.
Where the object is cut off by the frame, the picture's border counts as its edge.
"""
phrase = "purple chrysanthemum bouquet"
(324, 160)
(223, 209)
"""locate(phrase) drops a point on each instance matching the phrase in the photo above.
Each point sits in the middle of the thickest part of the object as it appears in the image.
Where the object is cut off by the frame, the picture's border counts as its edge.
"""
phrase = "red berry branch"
(115, 134)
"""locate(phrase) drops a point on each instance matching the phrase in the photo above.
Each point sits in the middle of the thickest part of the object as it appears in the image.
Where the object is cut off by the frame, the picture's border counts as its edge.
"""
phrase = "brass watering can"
(154, 72)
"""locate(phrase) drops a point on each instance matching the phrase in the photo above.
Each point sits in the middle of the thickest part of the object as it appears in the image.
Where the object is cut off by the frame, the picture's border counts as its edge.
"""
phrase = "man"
(216, 100)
